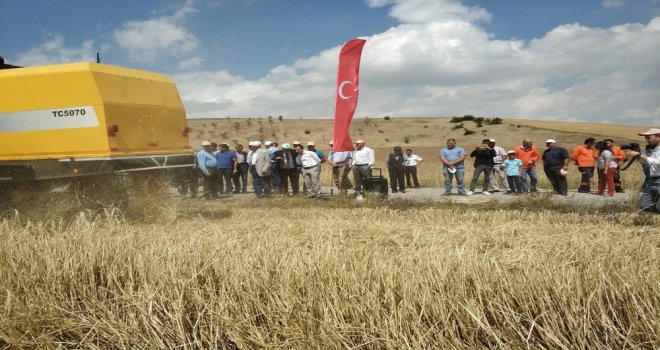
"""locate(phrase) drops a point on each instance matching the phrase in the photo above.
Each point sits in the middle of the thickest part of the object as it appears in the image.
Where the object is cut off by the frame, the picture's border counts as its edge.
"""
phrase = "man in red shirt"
(528, 155)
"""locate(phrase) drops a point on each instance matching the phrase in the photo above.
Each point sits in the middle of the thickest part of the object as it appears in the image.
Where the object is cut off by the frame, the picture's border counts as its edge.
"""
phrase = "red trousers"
(606, 178)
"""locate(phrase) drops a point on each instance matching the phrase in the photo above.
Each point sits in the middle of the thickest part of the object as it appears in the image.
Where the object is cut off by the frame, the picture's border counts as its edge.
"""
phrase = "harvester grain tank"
(79, 119)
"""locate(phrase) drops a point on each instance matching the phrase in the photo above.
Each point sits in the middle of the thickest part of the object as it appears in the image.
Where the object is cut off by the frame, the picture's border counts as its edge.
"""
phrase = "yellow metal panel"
(145, 106)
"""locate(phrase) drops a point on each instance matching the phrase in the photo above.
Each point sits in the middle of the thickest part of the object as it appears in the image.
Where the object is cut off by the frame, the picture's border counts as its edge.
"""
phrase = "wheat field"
(146, 270)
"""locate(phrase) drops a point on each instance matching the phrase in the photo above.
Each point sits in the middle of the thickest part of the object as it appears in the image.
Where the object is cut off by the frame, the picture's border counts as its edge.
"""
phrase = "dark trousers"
(411, 171)
(240, 177)
(475, 177)
(559, 184)
(585, 181)
(515, 183)
(275, 180)
(211, 184)
(261, 184)
(289, 176)
(360, 172)
(397, 179)
(224, 178)
(617, 180)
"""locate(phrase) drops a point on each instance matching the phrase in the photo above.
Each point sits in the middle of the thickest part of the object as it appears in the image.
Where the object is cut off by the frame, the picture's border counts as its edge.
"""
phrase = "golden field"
(160, 272)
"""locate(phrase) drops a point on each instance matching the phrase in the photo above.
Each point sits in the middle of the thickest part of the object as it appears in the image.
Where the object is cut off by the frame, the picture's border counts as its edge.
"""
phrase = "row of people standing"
(496, 164)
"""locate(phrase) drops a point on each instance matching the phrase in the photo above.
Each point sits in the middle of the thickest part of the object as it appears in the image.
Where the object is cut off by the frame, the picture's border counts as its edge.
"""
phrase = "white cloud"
(422, 11)
(145, 41)
(53, 50)
(192, 63)
(613, 3)
(453, 67)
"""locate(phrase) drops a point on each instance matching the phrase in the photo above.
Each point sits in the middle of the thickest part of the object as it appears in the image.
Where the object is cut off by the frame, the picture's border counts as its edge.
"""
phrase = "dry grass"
(286, 275)
(87, 269)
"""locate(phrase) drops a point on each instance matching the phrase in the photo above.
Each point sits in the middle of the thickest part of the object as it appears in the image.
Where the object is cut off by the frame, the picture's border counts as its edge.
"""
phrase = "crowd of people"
(277, 170)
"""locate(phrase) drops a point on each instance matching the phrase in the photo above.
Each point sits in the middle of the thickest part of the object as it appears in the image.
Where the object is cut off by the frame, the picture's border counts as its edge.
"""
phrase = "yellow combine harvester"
(78, 119)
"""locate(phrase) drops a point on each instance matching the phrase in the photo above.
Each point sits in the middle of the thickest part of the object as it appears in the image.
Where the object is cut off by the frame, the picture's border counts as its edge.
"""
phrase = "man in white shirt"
(363, 160)
(410, 162)
(260, 169)
(311, 170)
(650, 197)
(497, 171)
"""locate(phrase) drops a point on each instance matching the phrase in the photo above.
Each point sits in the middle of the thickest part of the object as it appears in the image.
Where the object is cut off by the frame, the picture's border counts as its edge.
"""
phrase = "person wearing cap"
(208, 165)
(311, 146)
(311, 170)
(452, 158)
(650, 194)
(395, 167)
(287, 168)
(528, 155)
(555, 164)
(363, 160)
(242, 167)
(498, 172)
(275, 181)
(410, 162)
(483, 162)
(341, 162)
(513, 168)
(260, 169)
(584, 158)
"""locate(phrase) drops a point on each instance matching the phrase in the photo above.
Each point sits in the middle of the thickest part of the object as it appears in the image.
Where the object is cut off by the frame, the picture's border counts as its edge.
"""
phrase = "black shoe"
(403, 191)
(620, 190)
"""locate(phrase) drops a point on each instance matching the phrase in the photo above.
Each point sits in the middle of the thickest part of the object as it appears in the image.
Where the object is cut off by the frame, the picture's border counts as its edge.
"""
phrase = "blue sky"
(587, 60)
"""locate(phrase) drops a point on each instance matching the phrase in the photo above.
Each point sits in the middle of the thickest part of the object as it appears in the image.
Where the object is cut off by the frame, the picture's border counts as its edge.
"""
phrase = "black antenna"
(98, 58)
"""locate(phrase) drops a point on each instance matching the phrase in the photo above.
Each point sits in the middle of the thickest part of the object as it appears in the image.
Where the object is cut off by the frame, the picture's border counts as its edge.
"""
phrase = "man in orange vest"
(619, 155)
(583, 155)
(528, 155)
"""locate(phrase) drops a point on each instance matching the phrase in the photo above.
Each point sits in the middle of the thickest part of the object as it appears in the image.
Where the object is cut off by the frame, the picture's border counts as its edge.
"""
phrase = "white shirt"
(309, 159)
(413, 160)
(251, 159)
(364, 156)
(500, 155)
(653, 160)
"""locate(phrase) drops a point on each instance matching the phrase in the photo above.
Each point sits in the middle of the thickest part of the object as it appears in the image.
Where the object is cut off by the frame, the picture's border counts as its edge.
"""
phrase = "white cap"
(651, 131)
(254, 143)
(311, 143)
(511, 152)
(550, 141)
(268, 143)
(206, 143)
(491, 140)
(359, 141)
(331, 142)
(296, 143)
(286, 146)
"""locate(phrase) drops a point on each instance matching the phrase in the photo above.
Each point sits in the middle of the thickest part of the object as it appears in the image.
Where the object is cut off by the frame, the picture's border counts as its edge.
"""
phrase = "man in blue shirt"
(452, 158)
(226, 167)
(208, 165)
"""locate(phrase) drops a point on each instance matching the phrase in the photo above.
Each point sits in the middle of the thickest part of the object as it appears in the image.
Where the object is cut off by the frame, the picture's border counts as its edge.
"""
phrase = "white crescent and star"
(340, 90)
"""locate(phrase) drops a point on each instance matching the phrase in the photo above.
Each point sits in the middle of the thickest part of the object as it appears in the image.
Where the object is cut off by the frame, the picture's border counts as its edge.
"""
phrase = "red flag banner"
(346, 93)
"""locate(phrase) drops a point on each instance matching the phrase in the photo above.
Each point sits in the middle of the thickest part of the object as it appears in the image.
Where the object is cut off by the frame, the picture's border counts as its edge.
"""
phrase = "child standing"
(513, 168)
